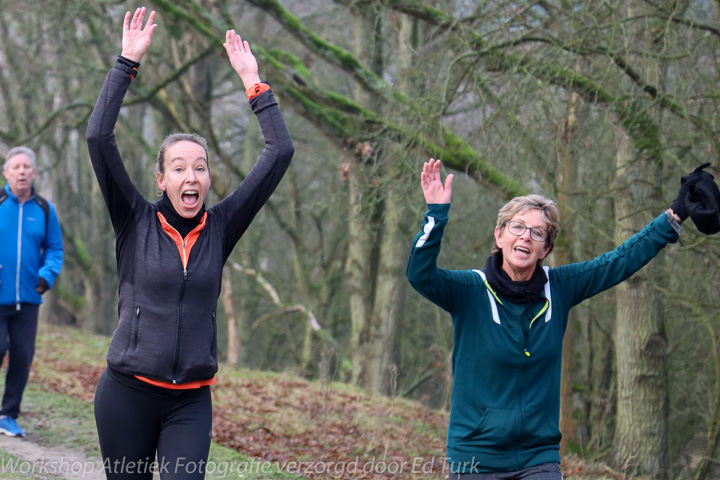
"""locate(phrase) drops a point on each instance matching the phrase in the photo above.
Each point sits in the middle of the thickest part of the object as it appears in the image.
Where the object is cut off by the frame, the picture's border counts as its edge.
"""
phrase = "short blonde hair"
(548, 208)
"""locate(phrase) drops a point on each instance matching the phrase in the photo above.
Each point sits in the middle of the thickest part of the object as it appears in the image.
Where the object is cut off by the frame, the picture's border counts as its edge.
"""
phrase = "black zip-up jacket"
(167, 312)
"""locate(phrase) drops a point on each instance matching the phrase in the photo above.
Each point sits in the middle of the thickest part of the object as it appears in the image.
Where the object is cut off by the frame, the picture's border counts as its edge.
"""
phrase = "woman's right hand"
(136, 39)
(432, 185)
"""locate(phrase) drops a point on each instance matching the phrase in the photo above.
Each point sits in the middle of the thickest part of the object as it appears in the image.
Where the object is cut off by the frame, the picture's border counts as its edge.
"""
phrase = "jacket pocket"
(213, 344)
(135, 330)
(496, 428)
(539, 429)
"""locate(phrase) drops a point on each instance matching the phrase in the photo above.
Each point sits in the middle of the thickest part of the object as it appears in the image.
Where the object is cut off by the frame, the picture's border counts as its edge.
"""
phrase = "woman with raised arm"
(154, 397)
(509, 320)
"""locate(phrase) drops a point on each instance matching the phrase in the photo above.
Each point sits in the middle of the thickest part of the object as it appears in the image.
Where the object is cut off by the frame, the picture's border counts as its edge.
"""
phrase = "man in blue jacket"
(31, 256)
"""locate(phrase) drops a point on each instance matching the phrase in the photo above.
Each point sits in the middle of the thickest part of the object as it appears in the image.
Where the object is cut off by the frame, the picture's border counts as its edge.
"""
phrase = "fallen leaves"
(310, 428)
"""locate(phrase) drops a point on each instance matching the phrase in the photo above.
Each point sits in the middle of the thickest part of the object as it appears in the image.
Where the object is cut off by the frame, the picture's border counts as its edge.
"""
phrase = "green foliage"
(69, 297)
(288, 58)
(82, 253)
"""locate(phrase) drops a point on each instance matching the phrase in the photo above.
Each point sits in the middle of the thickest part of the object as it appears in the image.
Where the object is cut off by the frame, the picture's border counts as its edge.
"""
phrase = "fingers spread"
(449, 181)
(151, 20)
(138, 17)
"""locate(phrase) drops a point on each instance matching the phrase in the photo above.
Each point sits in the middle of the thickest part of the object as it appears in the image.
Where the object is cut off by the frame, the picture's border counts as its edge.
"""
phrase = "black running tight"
(136, 420)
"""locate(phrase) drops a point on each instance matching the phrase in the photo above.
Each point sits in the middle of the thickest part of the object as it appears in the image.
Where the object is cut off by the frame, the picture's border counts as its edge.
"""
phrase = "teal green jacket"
(506, 359)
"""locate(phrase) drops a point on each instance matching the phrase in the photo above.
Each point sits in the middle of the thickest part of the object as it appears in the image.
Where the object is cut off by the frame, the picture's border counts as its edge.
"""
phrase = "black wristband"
(128, 66)
(129, 70)
(128, 62)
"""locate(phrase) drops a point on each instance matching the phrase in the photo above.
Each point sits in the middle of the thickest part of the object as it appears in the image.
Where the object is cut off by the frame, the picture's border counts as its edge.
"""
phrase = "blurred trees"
(601, 105)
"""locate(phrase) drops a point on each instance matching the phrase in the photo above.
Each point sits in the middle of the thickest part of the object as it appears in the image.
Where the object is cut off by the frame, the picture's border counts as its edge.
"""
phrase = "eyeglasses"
(518, 228)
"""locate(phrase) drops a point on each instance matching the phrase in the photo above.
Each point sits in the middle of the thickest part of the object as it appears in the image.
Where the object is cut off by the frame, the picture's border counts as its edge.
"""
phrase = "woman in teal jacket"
(509, 320)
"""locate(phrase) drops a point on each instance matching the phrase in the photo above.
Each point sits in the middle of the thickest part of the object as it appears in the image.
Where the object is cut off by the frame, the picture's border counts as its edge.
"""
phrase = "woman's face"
(521, 253)
(186, 178)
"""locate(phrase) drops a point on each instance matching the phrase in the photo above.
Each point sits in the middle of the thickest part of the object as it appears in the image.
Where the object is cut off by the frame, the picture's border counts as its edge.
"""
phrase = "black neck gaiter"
(528, 291)
(181, 224)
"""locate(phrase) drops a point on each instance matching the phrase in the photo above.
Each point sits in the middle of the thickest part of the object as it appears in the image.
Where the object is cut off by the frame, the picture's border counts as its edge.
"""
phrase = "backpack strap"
(45, 208)
(42, 203)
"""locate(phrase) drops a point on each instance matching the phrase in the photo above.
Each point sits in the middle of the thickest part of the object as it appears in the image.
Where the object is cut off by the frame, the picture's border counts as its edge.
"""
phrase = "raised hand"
(432, 185)
(136, 39)
(241, 58)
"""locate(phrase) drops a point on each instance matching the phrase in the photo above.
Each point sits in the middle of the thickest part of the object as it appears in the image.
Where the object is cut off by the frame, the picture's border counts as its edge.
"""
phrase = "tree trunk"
(641, 436)
(389, 287)
(362, 204)
(300, 270)
(567, 184)
(391, 283)
(358, 265)
(707, 461)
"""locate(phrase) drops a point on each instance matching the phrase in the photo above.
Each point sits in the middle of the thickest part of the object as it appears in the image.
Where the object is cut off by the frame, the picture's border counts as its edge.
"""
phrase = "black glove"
(703, 205)
(42, 286)
(678, 205)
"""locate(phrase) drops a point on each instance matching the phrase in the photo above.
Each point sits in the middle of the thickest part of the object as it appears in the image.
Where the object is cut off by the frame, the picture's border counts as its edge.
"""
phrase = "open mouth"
(523, 250)
(190, 198)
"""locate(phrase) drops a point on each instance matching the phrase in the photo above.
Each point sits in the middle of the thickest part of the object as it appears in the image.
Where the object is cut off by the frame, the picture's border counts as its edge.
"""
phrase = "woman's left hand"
(241, 58)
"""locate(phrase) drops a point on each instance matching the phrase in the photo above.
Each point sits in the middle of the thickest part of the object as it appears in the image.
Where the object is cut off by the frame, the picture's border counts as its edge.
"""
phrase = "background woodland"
(600, 104)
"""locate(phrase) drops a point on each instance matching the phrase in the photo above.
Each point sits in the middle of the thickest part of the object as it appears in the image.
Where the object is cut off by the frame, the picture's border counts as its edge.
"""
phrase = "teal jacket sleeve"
(586, 279)
(445, 288)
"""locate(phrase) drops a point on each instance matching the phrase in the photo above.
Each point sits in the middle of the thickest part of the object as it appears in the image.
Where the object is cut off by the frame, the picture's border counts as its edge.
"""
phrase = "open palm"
(136, 39)
(432, 185)
(241, 58)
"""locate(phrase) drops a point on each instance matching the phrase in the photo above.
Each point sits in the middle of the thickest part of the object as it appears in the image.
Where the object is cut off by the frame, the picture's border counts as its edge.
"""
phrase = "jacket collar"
(10, 194)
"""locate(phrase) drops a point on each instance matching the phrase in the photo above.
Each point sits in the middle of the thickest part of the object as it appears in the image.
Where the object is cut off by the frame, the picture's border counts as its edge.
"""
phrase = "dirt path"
(47, 462)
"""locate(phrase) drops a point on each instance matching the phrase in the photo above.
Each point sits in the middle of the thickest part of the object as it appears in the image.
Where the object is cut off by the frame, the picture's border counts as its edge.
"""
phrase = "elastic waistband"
(131, 381)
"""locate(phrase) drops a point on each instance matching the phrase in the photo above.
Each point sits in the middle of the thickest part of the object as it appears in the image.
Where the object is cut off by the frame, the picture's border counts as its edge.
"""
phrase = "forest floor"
(265, 425)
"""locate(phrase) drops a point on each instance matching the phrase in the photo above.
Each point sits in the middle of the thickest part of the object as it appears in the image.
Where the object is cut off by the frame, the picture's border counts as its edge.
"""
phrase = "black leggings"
(136, 420)
(18, 329)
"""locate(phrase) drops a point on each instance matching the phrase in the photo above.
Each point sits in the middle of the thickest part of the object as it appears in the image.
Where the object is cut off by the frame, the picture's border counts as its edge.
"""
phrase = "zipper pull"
(526, 352)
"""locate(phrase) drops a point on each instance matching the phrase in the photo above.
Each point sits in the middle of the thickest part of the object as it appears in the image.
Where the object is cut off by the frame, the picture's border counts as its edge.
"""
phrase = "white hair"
(17, 151)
